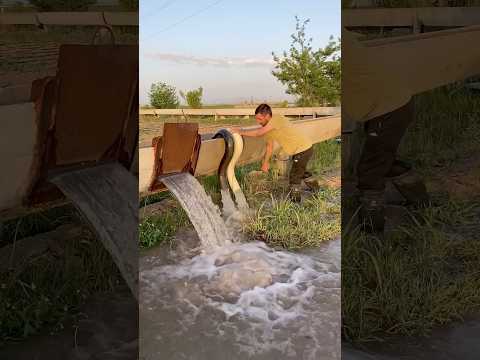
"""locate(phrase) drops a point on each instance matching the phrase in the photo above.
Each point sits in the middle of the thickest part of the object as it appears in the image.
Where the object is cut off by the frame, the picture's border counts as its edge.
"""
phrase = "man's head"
(263, 114)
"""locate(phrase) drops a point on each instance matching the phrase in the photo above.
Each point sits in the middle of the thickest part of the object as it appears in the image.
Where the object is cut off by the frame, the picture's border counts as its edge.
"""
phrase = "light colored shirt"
(290, 139)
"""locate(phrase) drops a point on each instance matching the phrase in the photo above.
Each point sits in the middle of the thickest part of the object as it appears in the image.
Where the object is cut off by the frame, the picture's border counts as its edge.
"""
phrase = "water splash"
(245, 300)
(204, 215)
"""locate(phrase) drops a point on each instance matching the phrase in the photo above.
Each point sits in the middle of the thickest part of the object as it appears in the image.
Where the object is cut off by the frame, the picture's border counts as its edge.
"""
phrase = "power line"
(164, 6)
(188, 17)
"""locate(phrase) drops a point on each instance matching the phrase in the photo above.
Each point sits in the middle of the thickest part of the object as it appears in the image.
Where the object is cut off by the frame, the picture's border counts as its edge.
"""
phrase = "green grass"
(326, 157)
(405, 284)
(445, 134)
(41, 295)
(303, 225)
(425, 274)
(282, 223)
(157, 230)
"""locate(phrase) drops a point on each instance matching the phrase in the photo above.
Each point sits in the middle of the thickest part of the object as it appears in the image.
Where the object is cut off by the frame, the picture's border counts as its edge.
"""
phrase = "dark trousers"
(299, 166)
(378, 156)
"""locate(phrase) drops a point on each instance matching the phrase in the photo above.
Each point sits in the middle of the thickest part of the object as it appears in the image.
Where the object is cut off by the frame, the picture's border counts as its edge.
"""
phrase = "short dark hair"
(263, 109)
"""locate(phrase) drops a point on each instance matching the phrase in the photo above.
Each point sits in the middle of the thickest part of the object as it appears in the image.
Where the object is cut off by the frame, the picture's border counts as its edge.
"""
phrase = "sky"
(225, 46)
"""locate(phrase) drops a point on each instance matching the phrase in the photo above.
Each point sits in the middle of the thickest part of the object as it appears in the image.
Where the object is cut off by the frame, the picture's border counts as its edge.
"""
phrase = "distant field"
(30, 50)
(151, 126)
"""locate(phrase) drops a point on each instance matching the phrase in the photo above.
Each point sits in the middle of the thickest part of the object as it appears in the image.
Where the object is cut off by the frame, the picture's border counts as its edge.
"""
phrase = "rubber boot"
(412, 188)
(295, 194)
(372, 211)
(307, 174)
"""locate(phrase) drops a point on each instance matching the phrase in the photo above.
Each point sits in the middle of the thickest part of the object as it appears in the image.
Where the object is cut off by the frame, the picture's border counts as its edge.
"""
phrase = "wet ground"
(241, 301)
(107, 330)
(458, 341)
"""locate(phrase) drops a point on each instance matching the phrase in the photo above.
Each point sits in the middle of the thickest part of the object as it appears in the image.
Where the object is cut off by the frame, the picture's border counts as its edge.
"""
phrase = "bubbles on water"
(246, 299)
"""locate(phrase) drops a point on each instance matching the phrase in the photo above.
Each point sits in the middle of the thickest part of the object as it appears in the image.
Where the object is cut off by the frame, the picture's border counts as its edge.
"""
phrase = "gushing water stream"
(107, 195)
(203, 214)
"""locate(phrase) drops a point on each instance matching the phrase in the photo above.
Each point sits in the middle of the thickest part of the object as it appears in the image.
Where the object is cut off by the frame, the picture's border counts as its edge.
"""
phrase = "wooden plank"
(121, 18)
(18, 19)
(211, 151)
(89, 18)
(404, 17)
(377, 17)
(297, 111)
(71, 18)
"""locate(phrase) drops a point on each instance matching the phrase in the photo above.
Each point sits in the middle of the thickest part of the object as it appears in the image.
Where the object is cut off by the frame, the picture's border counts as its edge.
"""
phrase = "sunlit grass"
(423, 276)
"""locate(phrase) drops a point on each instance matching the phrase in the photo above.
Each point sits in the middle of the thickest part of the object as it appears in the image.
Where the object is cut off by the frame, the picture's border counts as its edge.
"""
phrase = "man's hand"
(235, 131)
(265, 167)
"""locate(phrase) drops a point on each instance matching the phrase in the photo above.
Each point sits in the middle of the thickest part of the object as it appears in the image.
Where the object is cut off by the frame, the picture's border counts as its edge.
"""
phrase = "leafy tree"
(163, 96)
(312, 76)
(193, 98)
(67, 5)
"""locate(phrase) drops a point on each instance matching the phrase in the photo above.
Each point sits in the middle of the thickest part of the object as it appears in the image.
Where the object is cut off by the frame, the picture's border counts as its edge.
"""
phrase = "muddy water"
(107, 195)
(241, 301)
(107, 329)
(455, 342)
(204, 215)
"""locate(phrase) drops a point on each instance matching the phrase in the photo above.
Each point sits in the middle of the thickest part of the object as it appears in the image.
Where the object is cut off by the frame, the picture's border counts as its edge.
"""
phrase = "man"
(378, 164)
(292, 142)
(381, 99)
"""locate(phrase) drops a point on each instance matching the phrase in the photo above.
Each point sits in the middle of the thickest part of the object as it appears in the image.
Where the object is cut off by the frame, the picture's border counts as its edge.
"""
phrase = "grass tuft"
(49, 290)
(282, 223)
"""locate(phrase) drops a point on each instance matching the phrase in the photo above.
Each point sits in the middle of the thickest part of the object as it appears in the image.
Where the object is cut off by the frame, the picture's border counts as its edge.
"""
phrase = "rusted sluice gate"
(84, 116)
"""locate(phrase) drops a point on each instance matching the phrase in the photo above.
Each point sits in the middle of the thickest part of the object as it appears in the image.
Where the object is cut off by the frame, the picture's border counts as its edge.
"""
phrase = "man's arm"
(254, 132)
(267, 156)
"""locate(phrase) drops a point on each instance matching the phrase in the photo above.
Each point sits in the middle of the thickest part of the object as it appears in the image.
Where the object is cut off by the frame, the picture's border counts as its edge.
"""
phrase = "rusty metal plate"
(178, 146)
(97, 86)
(176, 151)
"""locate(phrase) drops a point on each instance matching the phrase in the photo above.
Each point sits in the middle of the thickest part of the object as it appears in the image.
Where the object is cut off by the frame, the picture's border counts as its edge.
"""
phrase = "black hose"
(227, 156)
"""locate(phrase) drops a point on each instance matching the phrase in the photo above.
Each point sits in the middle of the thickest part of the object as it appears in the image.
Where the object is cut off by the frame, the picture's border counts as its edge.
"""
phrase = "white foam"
(255, 299)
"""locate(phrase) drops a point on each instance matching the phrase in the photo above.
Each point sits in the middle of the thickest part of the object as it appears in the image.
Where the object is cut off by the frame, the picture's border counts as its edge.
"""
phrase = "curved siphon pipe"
(237, 151)
(226, 171)
(227, 156)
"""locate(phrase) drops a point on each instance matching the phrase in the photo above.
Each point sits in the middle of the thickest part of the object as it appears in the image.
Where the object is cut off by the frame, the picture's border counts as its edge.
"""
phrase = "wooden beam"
(18, 19)
(296, 111)
(212, 151)
(71, 18)
(89, 18)
(405, 17)
(121, 18)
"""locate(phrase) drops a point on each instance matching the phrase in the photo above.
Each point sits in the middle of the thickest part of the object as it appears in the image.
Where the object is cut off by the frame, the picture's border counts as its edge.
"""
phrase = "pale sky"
(225, 46)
